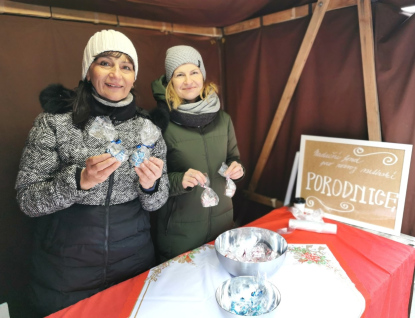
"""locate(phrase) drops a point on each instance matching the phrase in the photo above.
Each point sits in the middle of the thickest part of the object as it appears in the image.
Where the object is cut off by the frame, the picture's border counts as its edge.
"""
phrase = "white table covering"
(311, 281)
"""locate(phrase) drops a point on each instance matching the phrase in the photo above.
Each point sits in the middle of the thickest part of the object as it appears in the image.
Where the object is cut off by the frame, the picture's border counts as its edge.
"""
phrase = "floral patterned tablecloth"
(311, 281)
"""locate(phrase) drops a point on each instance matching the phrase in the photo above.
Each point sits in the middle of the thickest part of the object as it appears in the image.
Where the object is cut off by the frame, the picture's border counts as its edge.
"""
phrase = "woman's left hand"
(234, 171)
(149, 171)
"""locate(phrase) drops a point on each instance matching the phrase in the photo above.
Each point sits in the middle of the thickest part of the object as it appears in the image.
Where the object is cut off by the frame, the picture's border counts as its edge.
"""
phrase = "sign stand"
(292, 179)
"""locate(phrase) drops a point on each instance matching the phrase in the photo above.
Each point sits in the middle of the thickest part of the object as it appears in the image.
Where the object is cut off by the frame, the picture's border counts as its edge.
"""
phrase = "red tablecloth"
(381, 269)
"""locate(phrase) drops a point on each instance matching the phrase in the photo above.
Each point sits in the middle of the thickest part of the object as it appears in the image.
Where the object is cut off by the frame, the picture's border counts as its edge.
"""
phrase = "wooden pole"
(283, 16)
(296, 71)
(369, 72)
(11, 7)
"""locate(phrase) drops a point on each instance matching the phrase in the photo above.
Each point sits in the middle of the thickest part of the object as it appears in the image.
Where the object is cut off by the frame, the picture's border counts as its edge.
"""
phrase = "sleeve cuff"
(152, 189)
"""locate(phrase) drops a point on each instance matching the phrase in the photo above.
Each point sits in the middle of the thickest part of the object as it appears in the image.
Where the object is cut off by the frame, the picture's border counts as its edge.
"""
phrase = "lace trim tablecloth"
(311, 281)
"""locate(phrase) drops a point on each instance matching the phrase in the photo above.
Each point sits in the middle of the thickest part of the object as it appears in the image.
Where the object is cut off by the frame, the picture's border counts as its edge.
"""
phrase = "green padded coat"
(183, 223)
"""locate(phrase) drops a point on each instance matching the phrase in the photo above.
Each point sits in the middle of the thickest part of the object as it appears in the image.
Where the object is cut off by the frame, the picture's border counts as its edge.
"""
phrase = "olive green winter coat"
(183, 223)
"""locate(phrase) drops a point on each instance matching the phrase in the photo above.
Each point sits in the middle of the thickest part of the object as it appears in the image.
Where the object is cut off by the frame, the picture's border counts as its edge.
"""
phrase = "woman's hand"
(192, 177)
(234, 171)
(149, 171)
(98, 169)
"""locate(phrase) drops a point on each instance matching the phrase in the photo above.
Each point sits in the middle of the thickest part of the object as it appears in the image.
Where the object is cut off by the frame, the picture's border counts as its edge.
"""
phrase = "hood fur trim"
(160, 116)
(56, 99)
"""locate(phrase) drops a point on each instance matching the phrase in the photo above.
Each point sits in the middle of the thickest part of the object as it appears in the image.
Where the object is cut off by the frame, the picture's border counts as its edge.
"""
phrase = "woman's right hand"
(97, 170)
(192, 177)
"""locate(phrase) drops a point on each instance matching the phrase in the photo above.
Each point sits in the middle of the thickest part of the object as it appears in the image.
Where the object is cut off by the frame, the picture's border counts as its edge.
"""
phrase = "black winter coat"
(85, 241)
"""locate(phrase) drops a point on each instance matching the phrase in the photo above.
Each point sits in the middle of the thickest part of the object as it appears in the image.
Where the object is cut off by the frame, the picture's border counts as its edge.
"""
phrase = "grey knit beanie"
(108, 40)
(182, 54)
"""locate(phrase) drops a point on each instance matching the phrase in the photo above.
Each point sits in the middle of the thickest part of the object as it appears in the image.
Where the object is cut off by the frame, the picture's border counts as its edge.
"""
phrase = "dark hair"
(83, 94)
(81, 102)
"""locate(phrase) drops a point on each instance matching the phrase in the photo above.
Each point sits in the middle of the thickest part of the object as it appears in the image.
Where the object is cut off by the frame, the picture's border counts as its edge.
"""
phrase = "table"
(381, 269)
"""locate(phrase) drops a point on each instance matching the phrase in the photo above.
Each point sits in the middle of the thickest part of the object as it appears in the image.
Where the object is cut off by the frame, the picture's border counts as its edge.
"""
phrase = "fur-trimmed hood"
(56, 99)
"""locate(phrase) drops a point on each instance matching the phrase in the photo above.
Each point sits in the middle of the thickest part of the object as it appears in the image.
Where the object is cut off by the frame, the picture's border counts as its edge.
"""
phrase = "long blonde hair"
(174, 101)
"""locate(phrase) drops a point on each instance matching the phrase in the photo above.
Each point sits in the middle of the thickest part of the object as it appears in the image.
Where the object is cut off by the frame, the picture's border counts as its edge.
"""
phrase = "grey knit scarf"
(204, 106)
(198, 114)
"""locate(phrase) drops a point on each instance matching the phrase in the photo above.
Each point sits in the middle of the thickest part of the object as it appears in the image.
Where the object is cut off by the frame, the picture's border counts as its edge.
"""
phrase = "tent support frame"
(369, 75)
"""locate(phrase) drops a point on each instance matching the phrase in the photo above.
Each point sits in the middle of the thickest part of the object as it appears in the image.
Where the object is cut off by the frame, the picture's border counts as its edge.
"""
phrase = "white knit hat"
(108, 40)
(182, 54)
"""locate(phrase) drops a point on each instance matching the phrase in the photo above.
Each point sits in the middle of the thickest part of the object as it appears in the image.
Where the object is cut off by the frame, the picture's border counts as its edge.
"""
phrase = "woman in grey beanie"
(199, 138)
(90, 204)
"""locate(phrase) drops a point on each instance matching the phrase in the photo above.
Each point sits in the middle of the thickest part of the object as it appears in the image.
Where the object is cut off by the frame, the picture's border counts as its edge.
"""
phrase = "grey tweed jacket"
(54, 150)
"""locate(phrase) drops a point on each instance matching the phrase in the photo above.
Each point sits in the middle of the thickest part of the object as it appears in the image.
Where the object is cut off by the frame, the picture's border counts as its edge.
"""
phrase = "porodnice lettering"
(353, 192)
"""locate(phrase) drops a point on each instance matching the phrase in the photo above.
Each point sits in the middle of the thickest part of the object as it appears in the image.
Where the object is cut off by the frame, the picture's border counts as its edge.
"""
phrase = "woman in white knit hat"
(91, 204)
(199, 137)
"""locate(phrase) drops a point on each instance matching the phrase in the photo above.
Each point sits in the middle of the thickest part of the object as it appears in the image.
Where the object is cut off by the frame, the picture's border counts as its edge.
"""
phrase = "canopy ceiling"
(212, 13)
(207, 13)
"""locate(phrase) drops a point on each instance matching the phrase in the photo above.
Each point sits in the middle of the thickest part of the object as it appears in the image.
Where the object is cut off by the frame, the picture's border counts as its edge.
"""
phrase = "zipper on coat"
(208, 165)
(170, 210)
(107, 216)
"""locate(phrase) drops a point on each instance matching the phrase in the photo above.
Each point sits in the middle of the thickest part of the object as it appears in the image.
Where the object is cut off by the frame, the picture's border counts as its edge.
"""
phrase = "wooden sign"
(355, 181)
